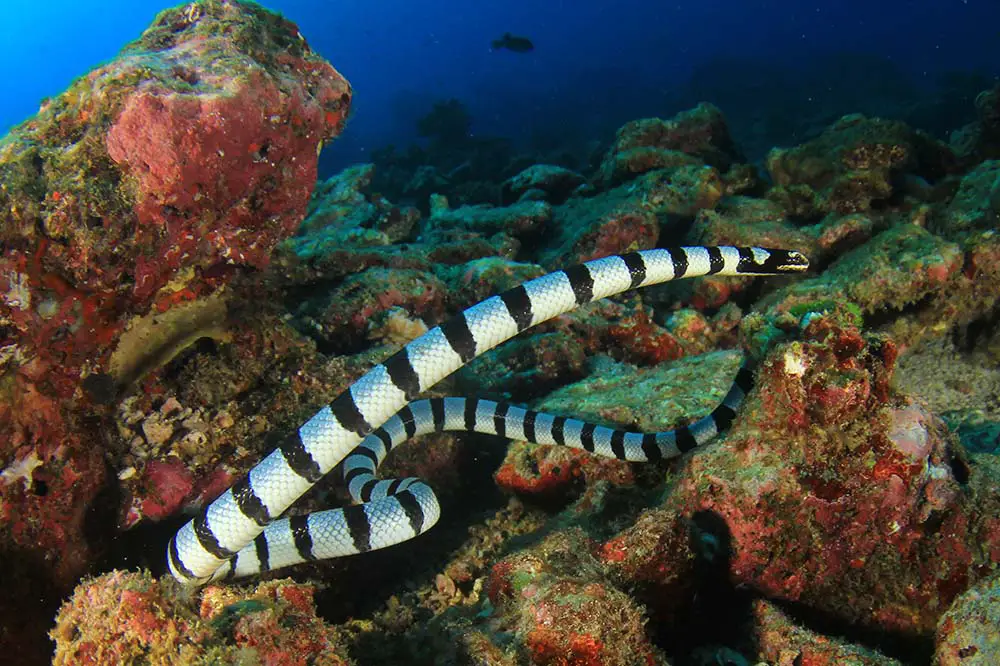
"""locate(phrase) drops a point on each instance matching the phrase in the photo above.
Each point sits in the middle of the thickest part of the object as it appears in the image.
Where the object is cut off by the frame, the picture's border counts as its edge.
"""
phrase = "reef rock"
(967, 633)
(831, 492)
(125, 617)
(695, 137)
(555, 601)
(143, 187)
(980, 139)
(853, 165)
(554, 184)
(343, 215)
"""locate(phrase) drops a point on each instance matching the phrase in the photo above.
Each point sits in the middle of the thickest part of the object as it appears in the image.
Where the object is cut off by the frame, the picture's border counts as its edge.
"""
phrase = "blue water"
(596, 63)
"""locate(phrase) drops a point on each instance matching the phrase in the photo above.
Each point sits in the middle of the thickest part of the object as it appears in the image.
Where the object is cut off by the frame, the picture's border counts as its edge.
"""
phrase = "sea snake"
(410, 505)
(205, 548)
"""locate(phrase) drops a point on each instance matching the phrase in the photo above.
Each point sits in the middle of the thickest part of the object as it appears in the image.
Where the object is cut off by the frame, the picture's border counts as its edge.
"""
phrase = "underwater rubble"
(165, 321)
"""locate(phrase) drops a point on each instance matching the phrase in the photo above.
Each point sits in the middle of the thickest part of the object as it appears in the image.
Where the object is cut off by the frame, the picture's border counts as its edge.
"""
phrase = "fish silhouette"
(513, 43)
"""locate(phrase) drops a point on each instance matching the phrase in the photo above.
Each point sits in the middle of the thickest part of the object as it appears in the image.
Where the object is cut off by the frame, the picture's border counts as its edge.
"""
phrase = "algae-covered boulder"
(697, 136)
(854, 164)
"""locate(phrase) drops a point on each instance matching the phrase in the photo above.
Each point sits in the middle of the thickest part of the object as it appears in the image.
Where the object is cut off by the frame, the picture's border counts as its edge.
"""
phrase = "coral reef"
(781, 103)
(133, 198)
(833, 493)
(850, 516)
(783, 643)
(473, 168)
(556, 601)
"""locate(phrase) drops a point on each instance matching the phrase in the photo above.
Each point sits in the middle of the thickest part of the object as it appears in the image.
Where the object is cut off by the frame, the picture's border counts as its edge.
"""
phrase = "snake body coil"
(228, 537)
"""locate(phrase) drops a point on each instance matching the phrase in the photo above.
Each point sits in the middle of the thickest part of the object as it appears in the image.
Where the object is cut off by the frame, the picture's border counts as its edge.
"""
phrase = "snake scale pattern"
(239, 533)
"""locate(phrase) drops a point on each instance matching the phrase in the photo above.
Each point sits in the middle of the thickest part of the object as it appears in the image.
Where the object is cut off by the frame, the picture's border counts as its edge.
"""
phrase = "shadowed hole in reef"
(100, 522)
(204, 346)
(716, 615)
(143, 546)
(959, 467)
(911, 649)
(884, 316)
(28, 604)
(978, 333)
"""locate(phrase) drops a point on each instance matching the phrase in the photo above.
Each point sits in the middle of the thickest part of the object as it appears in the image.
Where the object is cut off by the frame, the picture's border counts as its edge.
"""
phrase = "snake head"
(771, 261)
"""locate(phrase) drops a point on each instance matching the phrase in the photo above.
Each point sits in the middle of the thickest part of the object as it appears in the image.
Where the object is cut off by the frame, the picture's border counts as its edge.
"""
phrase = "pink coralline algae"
(168, 486)
(221, 175)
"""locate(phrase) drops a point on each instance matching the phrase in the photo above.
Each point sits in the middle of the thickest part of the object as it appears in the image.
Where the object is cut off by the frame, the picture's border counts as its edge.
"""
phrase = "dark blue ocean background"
(779, 69)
